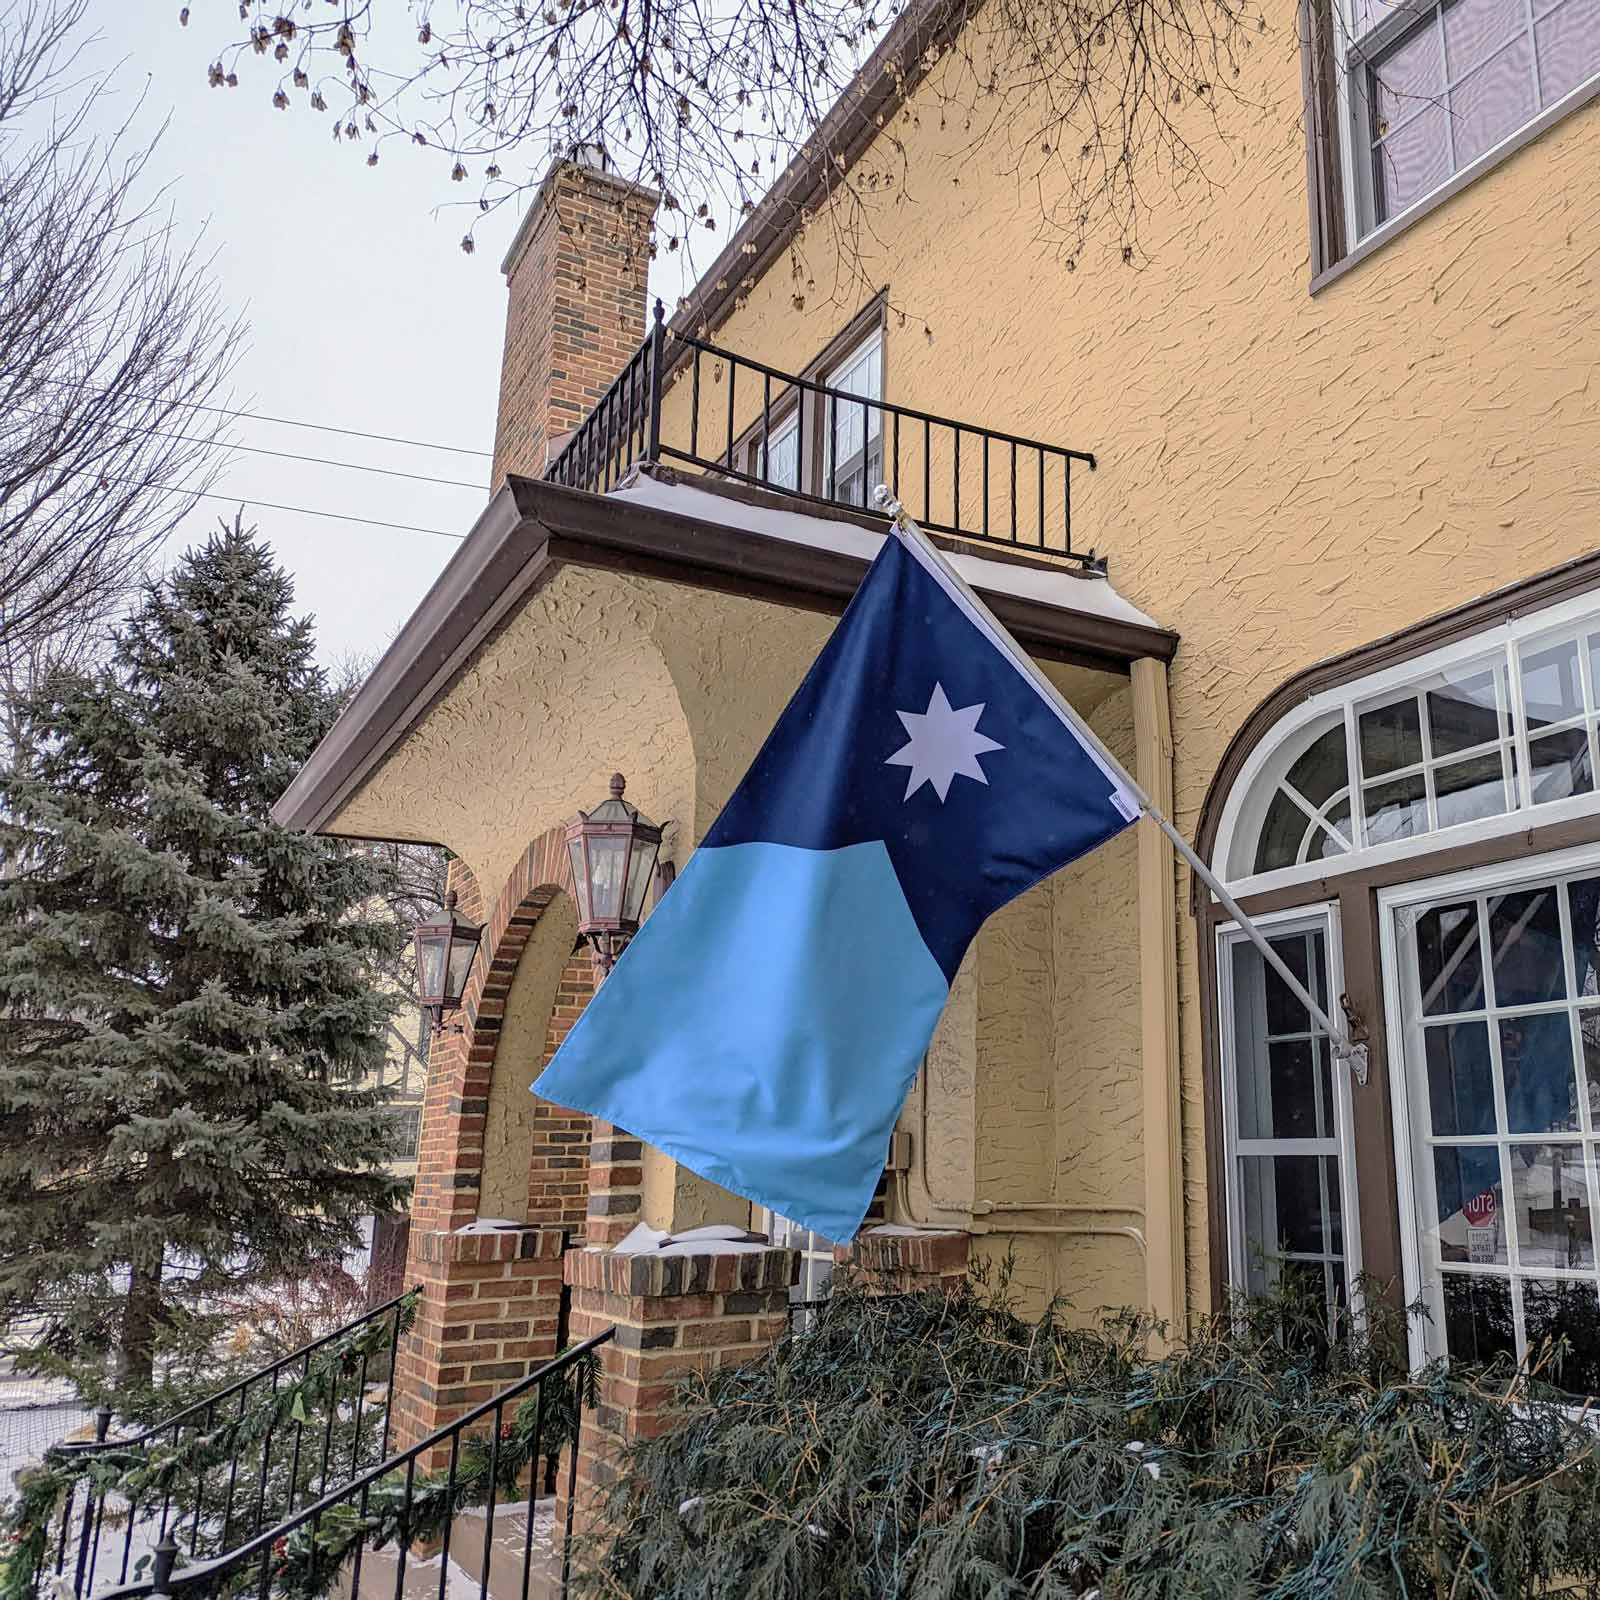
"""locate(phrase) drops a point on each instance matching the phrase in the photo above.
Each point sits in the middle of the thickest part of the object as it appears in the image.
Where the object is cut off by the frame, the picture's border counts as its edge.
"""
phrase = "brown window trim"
(873, 317)
(1333, 254)
(1324, 185)
(1356, 895)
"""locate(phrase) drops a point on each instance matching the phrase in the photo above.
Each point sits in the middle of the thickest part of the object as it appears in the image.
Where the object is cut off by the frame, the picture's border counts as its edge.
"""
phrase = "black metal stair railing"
(233, 1462)
(381, 1512)
(724, 411)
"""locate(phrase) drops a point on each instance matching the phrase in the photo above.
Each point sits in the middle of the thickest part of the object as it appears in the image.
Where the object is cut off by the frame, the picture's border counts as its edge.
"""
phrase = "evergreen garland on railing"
(156, 1467)
(308, 1561)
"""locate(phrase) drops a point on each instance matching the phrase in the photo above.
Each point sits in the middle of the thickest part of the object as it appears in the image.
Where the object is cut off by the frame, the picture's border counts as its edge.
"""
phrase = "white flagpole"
(1343, 1045)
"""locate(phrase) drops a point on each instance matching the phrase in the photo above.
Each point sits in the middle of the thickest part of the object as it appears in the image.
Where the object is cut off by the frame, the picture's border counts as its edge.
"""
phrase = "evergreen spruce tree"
(187, 993)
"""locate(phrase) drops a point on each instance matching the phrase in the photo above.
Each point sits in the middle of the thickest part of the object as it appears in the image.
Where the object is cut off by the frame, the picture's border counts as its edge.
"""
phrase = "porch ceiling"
(666, 531)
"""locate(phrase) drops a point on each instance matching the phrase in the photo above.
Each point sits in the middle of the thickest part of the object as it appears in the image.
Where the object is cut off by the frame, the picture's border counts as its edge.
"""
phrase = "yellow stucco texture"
(1281, 476)
(508, 1127)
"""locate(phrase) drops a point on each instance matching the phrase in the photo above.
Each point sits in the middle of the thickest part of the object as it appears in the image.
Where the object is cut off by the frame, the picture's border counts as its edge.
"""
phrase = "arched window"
(1420, 833)
(1476, 738)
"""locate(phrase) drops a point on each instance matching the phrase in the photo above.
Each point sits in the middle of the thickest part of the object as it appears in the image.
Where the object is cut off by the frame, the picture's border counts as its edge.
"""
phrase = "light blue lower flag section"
(764, 1026)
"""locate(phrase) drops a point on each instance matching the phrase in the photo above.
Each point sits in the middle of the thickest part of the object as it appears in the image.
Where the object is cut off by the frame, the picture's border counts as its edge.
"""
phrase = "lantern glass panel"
(639, 870)
(580, 877)
(432, 943)
(463, 947)
(608, 860)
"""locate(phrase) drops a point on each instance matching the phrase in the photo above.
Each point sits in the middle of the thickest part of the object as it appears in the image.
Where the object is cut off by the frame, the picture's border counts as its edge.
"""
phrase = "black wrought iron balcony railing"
(682, 400)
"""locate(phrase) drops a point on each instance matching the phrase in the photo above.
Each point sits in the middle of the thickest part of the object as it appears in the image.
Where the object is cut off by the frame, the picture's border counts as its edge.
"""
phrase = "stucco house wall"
(1281, 476)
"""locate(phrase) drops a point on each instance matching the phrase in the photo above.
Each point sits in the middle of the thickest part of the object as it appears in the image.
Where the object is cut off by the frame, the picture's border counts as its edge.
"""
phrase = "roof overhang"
(531, 529)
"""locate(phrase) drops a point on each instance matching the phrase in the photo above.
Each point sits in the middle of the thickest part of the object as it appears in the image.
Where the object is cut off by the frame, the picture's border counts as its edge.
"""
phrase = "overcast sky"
(362, 311)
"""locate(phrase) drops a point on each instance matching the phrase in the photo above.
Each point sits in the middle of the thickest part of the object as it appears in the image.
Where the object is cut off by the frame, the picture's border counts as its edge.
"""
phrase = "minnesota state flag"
(767, 1020)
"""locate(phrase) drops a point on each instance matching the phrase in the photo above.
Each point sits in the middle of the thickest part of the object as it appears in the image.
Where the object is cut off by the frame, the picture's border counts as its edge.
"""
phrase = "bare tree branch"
(110, 333)
(707, 100)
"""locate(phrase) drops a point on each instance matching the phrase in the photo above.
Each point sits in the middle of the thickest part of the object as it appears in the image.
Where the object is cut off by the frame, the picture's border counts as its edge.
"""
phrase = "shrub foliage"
(949, 1449)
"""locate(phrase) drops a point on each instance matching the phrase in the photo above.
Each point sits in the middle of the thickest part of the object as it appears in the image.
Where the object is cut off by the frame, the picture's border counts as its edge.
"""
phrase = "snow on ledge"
(715, 1239)
(1089, 595)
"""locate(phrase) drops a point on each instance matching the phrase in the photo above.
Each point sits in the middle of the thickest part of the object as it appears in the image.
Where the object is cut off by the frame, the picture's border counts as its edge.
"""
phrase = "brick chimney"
(576, 275)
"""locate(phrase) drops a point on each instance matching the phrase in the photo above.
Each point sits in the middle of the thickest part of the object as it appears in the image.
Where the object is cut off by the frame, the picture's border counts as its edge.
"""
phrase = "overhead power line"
(291, 455)
(292, 422)
(323, 461)
(304, 511)
(307, 511)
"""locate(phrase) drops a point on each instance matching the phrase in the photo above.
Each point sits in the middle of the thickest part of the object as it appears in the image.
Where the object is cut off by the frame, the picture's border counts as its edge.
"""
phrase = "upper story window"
(1428, 91)
(855, 432)
(1462, 742)
(778, 461)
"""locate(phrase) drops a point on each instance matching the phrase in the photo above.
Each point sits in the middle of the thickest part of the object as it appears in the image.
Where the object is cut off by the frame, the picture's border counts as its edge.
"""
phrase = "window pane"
(1568, 42)
(1468, 1190)
(783, 456)
(1560, 766)
(1409, 163)
(1285, 1014)
(1460, 1078)
(1321, 843)
(1478, 1325)
(1475, 29)
(1467, 790)
(1551, 688)
(1583, 907)
(1525, 936)
(1321, 772)
(1407, 77)
(1589, 1043)
(1282, 834)
(1390, 737)
(1551, 1191)
(1553, 1311)
(1449, 959)
(1495, 101)
(1536, 1064)
(1292, 1098)
(1291, 1204)
(1464, 714)
(1397, 810)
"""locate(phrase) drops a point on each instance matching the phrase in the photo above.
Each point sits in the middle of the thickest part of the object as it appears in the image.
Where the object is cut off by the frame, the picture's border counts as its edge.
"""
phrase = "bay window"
(1421, 844)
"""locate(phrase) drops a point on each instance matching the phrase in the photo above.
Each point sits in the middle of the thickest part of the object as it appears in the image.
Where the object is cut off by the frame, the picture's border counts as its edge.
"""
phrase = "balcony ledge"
(658, 526)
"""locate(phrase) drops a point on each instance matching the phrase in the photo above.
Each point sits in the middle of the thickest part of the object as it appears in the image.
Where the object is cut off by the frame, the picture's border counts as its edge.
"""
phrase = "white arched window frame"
(1477, 739)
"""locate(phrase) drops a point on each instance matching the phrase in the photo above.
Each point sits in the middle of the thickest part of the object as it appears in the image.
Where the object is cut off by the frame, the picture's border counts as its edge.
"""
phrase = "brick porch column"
(489, 1313)
(616, 1185)
(674, 1315)
(901, 1261)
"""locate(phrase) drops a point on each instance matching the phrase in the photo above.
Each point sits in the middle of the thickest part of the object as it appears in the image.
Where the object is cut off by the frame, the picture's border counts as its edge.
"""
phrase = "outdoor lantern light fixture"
(444, 960)
(613, 850)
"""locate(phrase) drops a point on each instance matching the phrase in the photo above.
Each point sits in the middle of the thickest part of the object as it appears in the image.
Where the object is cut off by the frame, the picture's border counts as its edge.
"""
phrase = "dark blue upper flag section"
(917, 728)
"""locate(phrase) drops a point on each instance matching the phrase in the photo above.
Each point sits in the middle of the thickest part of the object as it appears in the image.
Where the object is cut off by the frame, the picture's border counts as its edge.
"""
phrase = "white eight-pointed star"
(943, 743)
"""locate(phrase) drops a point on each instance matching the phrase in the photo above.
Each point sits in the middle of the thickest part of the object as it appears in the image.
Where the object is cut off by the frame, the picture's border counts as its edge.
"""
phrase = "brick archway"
(450, 1153)
(490, 1302)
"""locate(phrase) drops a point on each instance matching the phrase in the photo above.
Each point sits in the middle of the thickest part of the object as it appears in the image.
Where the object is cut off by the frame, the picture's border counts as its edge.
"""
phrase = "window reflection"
(1504, 1112)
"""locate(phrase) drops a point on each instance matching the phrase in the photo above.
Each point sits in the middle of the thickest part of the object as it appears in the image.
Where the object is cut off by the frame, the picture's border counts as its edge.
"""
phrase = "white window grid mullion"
(1430, 805)
(1327, 1146)
(1449, 106)
(1519, 1322)
(1580, 643)
(1519, 725)
(1591, 1163)
(1353, 773)
(1533, 53)
(1497, 1076)
(1316, 822)
(1510, 767)
(1569, 976)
